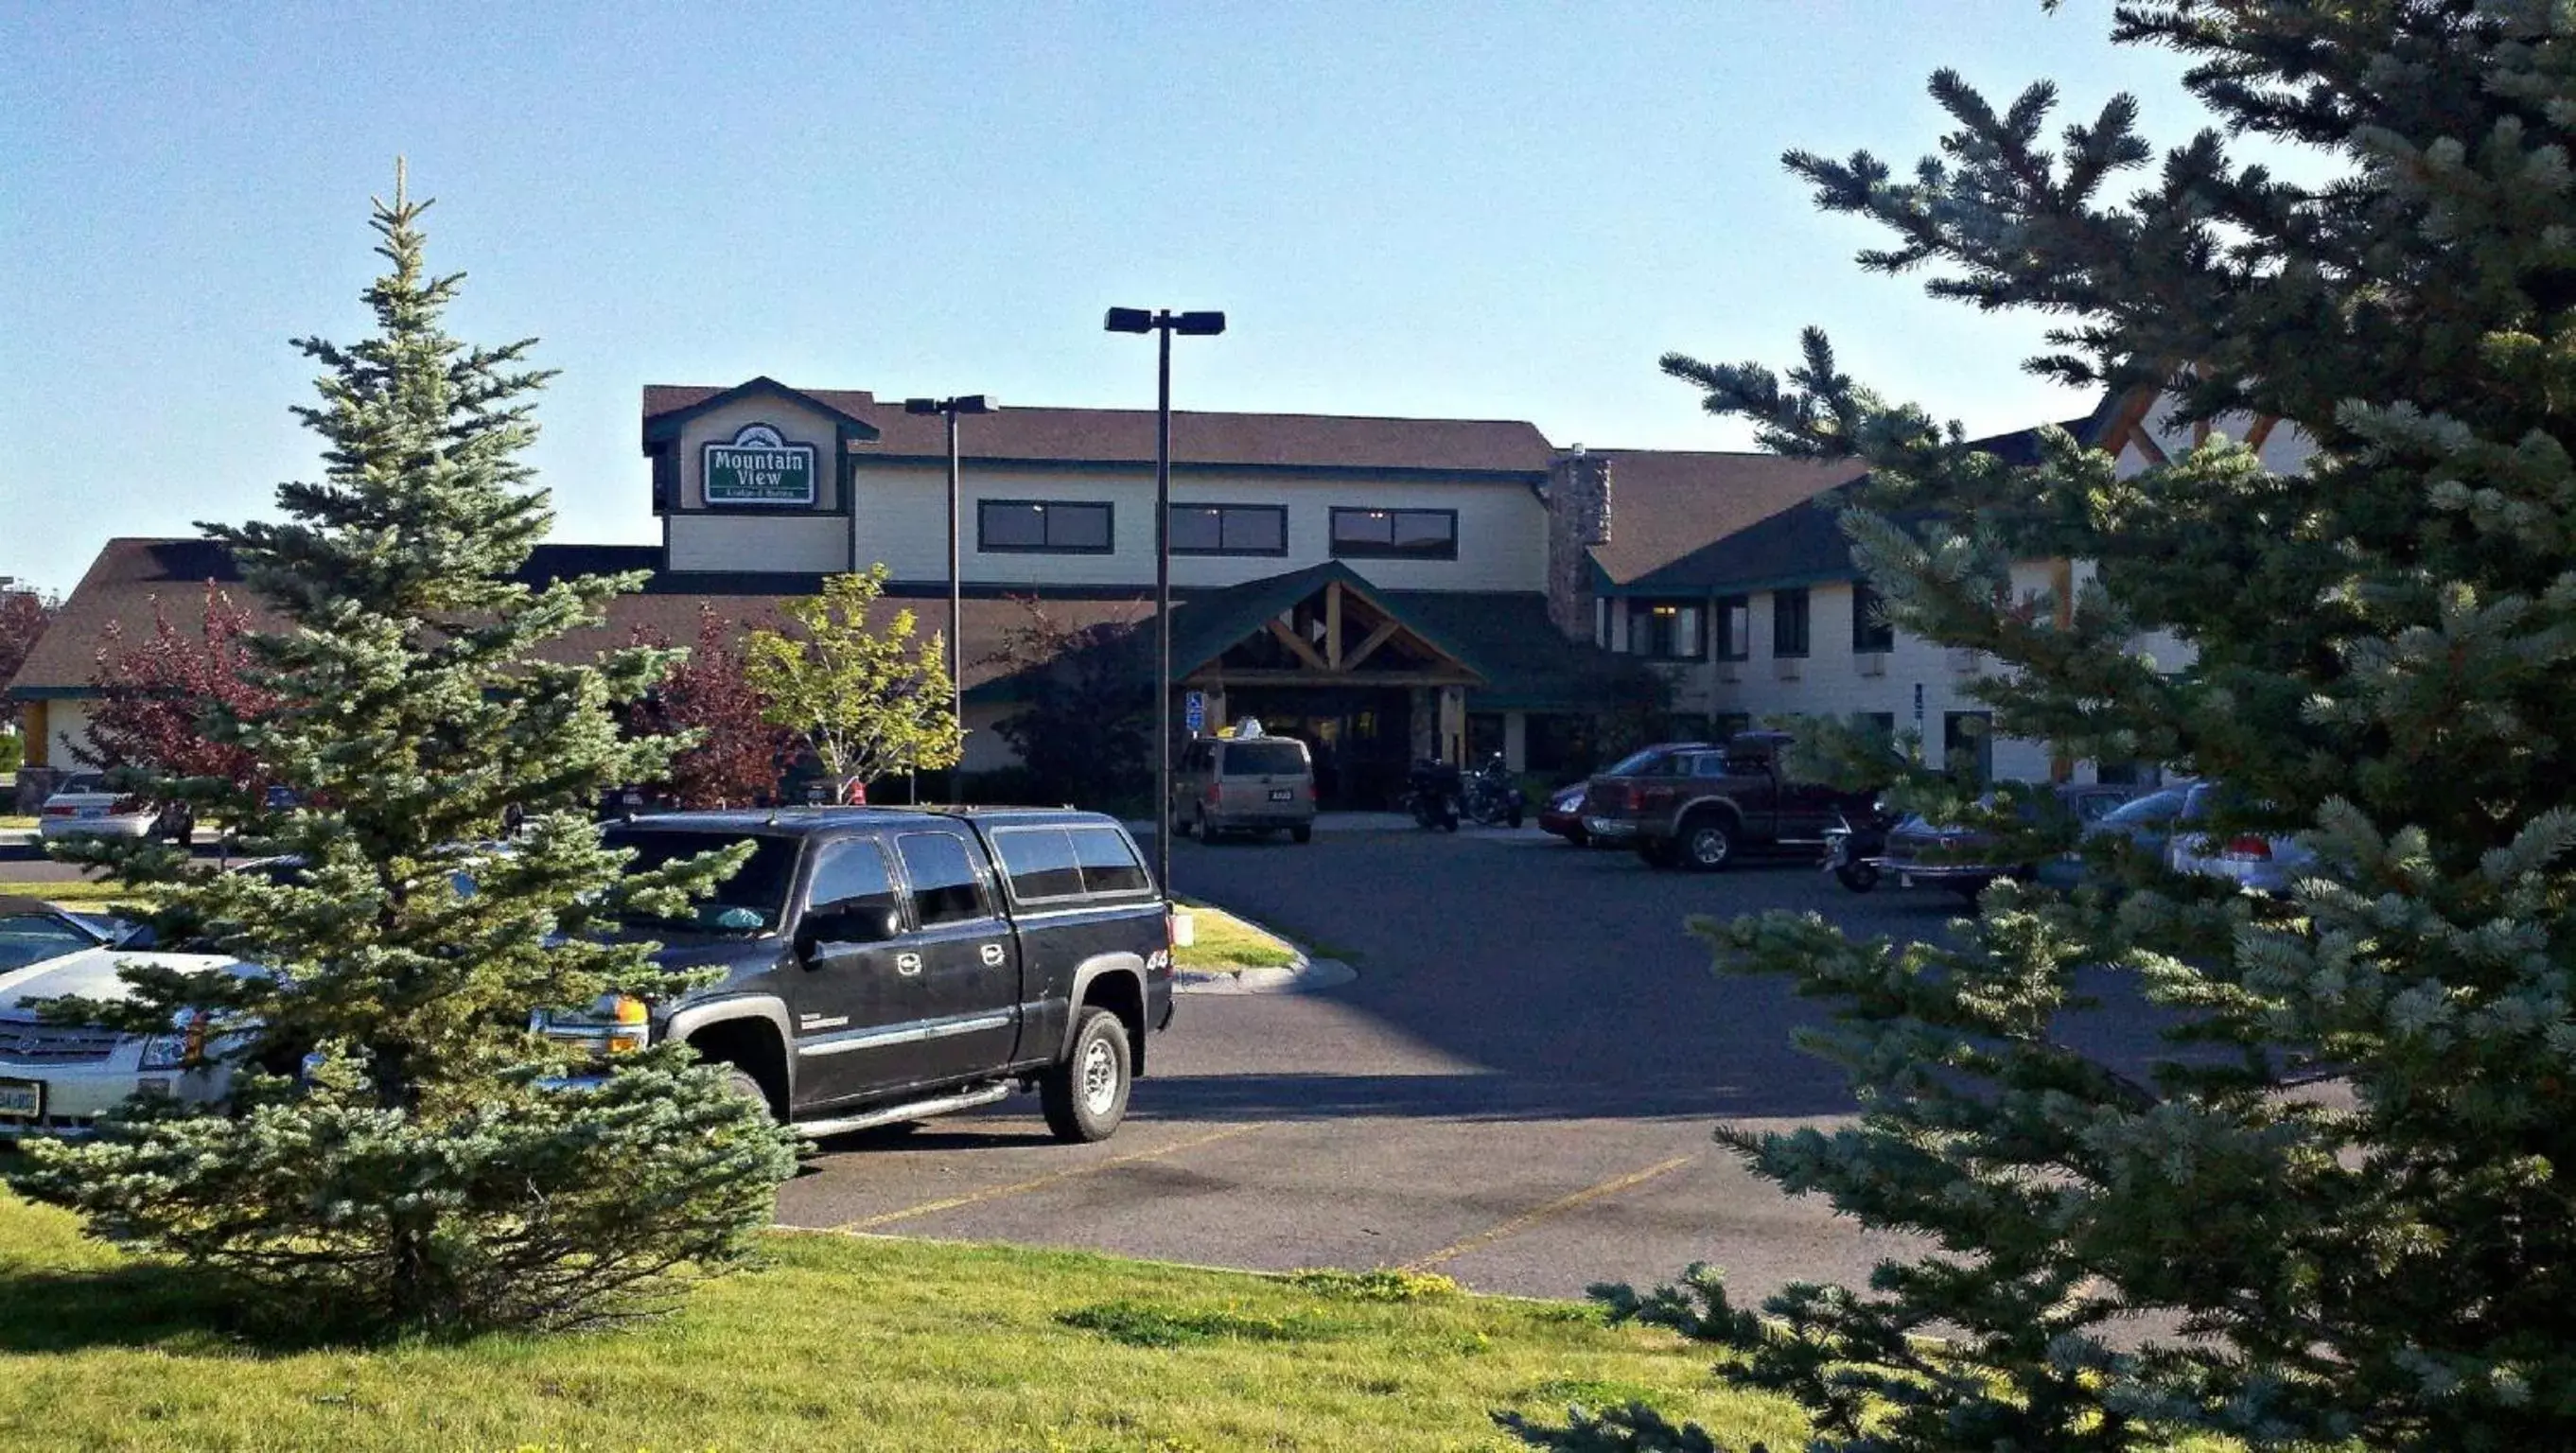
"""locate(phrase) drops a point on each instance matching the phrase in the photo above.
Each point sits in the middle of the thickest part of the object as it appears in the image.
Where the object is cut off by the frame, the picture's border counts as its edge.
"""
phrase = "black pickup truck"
(885, 965)
(1701, 808)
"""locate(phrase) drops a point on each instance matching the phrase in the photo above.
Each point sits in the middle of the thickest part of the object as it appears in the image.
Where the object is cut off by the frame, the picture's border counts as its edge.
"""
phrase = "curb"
(1306, 976)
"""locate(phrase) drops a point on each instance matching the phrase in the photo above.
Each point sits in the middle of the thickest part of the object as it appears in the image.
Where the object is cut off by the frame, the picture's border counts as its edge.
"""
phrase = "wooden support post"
(1333, 625)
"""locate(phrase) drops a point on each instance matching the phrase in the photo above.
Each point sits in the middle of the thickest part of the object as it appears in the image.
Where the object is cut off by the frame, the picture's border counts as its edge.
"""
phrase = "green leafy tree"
(393, 1155)
(866, 700)
(2335, 1207)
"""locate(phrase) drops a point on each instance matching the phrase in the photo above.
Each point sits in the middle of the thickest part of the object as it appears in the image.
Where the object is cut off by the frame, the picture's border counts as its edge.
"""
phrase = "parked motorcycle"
(1492, 796)
(1853, 852)
(1433, 793)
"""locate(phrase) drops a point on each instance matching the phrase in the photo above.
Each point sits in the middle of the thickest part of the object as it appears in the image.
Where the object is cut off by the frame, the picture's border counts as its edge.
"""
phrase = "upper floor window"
(1871, 630)
(1058, 527)
(1669, 630)
(1788, 623)
(1734, 627)
(1229, 529)
(1395, 534)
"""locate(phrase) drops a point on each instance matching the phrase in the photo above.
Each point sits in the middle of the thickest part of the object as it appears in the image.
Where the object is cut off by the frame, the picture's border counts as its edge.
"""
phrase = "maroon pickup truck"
(1700, 807)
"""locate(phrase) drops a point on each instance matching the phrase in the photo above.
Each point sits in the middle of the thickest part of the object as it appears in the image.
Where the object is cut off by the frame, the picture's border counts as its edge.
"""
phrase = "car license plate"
(23, 1098)
(93, 812)
(1280, 794)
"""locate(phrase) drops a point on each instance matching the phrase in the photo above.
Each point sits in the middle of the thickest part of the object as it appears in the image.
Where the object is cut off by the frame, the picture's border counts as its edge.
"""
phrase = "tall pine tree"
(2339, 1206)
(400, 1149)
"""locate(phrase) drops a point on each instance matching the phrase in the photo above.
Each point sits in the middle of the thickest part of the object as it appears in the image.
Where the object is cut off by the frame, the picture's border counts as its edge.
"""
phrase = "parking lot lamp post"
(964, 404)
(1164, 323)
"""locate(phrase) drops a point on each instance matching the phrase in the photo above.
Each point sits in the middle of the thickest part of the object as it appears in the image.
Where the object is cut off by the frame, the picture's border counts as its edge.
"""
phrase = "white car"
(86, 806)
(58, 1078)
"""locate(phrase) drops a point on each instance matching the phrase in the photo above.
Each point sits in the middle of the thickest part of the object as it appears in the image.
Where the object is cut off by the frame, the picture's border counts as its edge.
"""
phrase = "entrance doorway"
(1361, 736)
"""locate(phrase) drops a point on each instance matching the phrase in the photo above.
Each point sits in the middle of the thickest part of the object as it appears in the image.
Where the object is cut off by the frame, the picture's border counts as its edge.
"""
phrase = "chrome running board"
(896, 1114)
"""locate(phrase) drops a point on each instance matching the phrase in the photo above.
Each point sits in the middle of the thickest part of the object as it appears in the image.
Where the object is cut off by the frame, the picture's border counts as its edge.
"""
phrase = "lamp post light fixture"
(963, 404)
(1163, 322)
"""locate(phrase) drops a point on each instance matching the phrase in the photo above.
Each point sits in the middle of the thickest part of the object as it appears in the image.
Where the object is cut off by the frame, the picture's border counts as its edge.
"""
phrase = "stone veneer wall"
(1578, 517)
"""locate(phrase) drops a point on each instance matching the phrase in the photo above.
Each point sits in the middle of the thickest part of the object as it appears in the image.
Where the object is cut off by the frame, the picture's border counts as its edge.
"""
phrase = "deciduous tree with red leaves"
(154, 694)
(23, 617)
(738, 755)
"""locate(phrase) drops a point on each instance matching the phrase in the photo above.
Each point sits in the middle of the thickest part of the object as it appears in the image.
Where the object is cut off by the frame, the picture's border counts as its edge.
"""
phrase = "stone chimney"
(1578, 518)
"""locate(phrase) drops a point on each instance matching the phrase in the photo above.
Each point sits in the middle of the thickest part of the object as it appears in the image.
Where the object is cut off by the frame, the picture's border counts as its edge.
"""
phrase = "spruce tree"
(2337, 1209)
(400, 1150)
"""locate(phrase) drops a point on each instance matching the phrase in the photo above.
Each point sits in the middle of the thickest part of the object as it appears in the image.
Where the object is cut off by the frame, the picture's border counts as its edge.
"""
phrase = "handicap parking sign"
(1194, 711)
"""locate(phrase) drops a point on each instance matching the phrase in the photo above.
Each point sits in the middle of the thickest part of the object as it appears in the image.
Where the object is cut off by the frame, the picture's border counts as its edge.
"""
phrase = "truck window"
(760, 886)
(944, 886)
(1040, 862)
(1108, 862)
(850, 876)
(1710, 764)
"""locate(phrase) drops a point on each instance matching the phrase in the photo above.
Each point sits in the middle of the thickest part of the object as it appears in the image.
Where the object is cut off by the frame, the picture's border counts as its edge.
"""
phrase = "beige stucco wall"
(901, 518)
(759, 542)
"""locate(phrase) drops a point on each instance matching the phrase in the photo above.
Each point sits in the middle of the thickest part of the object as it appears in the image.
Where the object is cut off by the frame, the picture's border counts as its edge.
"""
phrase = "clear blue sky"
(1489, 210)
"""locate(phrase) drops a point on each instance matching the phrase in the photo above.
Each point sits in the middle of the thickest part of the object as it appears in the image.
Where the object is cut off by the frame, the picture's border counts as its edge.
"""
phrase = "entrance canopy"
(1319, 627)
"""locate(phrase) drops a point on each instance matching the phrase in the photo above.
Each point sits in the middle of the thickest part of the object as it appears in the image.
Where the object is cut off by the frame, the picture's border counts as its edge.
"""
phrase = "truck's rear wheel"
(1085, 1093)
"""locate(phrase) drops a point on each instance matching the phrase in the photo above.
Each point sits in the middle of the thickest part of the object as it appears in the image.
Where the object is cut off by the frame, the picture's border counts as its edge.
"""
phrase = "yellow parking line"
(992, 1193)
(1527, 1219)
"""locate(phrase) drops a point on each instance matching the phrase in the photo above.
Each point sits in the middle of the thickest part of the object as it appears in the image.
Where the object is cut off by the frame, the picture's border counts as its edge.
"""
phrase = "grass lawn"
(79, 893)
(845, 1343)
(1228, 945)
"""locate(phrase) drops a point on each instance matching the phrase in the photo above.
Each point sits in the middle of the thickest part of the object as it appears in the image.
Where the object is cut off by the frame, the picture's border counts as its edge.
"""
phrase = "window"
(1788, 623)
(1668, 630)
(1282, 757)
(1871, 630)
(1053, 527)
(1395, 534)
(850, 877)
(1229, 529)
(1734, 627)
(759, 886)
(944, 889)
(1108, 862)
(1040, 862)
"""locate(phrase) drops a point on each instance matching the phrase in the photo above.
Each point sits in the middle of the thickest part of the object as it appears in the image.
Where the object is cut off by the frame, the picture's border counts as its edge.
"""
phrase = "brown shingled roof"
(1127, 436)
(130, 574)
(1666, 504)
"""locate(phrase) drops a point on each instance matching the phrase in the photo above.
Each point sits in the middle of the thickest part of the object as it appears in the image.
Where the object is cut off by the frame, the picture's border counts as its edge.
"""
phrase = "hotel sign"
(759, 467)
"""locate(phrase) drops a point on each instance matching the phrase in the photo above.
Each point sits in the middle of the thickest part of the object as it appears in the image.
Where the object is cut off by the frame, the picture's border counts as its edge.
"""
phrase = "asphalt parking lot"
(1517, 1091)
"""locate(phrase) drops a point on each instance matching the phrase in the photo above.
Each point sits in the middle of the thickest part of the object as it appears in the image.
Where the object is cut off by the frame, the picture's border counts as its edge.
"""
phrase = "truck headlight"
(617, 1024)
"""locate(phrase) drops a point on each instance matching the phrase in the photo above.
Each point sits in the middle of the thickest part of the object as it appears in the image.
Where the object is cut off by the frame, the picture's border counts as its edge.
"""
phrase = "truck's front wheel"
(1085, 1093)
(1707, 843)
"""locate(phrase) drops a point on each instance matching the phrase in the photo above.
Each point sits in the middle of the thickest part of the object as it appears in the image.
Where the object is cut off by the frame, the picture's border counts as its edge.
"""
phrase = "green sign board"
(759, 468)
